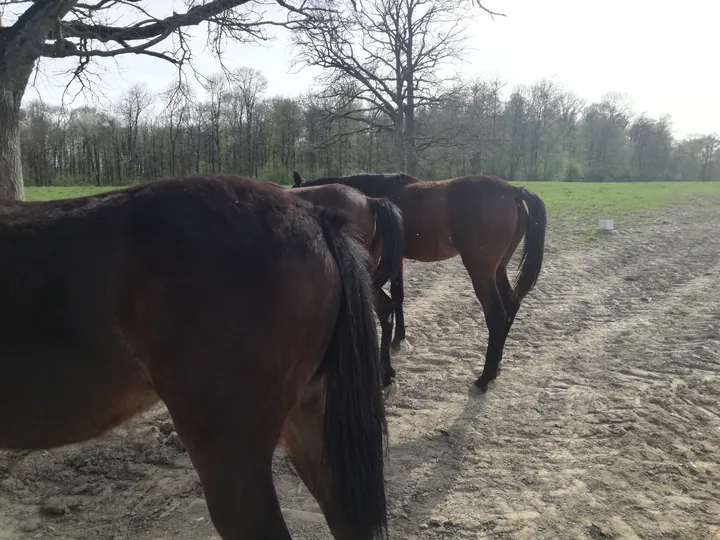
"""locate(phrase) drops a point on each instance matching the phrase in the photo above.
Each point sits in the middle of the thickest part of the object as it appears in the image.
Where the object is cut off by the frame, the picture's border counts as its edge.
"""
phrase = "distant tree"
(607, 142)
(482, 121)
(652, 147)
(179, 99)
(215, 88)
(133, 103)
(249, 86)
(710, 145)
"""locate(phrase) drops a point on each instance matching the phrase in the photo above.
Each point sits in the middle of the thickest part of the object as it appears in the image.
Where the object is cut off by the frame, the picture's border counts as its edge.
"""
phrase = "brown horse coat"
(481, 218)
(379, 227)
(245, 308)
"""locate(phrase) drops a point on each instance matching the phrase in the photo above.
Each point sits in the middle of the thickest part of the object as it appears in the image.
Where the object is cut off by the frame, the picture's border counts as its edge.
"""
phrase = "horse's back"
(347, 201)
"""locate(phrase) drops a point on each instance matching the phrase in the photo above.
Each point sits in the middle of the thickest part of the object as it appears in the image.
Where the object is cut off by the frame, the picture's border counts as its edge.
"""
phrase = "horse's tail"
(389, 229)
(355, 428)
(534, 248)
(397, 295)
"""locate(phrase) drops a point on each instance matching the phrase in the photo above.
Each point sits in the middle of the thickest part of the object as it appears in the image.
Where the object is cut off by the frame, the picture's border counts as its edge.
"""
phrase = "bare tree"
(249, 85)
(178, 98)
(215, 88)
(133, 103)
(481, 123)
(384, 61)
(72, 28)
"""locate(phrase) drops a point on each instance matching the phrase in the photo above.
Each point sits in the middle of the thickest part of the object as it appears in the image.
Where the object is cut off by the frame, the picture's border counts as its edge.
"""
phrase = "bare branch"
(490, 12)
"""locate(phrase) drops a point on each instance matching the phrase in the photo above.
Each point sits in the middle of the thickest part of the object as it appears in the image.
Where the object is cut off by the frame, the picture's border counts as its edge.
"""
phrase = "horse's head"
(297, 179)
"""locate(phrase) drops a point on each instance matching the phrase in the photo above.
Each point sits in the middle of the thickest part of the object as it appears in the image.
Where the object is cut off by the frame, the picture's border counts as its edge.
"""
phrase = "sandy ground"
(605, 422)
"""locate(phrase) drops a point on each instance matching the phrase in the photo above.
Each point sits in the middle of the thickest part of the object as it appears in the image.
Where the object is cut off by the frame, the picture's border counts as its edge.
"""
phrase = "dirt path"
(605, 422)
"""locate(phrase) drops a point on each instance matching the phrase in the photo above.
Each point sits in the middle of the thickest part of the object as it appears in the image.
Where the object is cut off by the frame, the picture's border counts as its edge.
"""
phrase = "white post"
(606, 225)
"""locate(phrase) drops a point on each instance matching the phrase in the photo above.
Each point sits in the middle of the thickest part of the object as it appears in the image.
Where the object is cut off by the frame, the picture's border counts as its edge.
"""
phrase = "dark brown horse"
(380, 230)
(243, 307)
(482, 218)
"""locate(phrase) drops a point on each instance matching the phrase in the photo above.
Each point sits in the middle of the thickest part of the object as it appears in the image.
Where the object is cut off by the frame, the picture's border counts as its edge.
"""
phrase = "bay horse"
(245, 308)
(380, 229)
(481, 218)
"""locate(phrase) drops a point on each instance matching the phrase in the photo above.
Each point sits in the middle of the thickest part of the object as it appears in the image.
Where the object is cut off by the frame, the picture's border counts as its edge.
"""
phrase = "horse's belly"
(427, 243)
(428, 233)
(65, 398)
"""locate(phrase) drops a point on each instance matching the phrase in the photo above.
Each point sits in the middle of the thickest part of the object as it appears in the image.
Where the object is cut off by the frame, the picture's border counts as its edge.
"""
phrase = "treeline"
(535, 133)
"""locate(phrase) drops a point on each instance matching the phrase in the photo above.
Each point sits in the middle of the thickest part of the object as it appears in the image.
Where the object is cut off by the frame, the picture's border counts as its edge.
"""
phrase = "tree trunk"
(11, 178)
(411, 159)
(410, 150)
(399, 142)
(249, 141)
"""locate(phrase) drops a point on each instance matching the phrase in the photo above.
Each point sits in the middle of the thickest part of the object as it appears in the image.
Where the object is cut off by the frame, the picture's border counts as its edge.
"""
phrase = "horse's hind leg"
(482, 275)
(302, 440)
(384, 310)
(230, 443)
(509, 299)
(511, 305)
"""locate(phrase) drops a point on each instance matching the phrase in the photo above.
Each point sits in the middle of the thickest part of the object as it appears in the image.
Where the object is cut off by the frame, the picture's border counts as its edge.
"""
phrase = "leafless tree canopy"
(384, 61)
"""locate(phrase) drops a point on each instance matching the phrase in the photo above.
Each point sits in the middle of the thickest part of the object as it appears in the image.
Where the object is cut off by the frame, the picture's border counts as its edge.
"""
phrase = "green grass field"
(577, 205)
(564, 198)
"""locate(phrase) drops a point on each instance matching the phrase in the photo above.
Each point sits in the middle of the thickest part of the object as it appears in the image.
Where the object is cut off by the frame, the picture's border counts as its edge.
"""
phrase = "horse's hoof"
(389, 391)
(483, 384)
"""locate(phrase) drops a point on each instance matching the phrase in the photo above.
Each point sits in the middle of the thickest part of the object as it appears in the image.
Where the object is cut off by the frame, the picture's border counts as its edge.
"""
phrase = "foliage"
(536, 133)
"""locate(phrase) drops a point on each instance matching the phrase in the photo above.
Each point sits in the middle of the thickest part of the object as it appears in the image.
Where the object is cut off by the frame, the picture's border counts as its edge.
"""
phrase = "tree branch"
(151, 27)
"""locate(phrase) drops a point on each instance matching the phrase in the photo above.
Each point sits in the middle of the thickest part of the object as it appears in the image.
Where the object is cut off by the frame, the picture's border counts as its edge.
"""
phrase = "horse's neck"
(372, 187)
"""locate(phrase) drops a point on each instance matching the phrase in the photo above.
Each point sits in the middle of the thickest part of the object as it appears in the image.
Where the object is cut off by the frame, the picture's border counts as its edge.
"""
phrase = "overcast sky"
(663, 55)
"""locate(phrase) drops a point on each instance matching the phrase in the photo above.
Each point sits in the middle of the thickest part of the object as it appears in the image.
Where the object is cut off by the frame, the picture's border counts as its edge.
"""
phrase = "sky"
(662, 55)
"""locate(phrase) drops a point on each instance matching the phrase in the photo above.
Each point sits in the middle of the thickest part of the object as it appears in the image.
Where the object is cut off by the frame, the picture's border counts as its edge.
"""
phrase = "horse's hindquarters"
(233, 326)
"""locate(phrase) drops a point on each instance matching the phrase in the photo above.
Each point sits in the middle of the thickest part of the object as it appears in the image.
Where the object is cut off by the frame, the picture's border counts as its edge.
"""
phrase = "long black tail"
(355, 428)
(389, 229)
(534, 249)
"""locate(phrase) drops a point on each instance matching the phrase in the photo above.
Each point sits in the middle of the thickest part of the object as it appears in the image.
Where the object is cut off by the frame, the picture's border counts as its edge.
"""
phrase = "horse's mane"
(373, 185)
